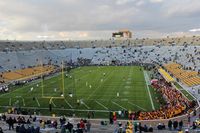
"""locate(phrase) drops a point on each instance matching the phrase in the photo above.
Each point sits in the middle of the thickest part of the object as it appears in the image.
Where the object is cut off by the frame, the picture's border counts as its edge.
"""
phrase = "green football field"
(96, 88)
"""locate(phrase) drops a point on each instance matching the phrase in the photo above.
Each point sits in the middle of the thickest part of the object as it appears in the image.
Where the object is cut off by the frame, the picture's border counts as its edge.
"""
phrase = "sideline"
(147, 82)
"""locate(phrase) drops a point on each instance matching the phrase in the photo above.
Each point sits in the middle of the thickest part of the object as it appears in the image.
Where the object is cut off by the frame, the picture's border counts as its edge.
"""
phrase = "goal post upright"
(63, 80)
(62, 85)
(42, 82)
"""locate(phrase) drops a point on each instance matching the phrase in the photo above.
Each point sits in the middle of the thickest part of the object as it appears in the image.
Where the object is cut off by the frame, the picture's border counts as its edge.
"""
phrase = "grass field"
(99, 89)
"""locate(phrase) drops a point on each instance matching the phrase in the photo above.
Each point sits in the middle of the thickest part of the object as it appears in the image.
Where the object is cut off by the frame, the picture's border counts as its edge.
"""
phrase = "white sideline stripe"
(53, 103)
(68, 103)
(119, 105)
(137, 106)
(145, 76)
(23, 101)
(10, 101)
(85, 105)
(101, 105)
(37, 102)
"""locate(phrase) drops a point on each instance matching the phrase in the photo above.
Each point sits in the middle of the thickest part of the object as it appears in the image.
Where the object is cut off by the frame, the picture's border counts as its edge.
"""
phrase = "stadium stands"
(20, 59)
(176, 103)
(16, 60)
(11, 45)
(188, 77)
(64, 124)
(26, 73)
(166, 75)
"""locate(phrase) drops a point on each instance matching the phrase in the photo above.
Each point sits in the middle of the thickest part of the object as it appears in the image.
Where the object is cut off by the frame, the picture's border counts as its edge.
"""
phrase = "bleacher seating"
(166, 75)
(26, 54)
(188, 77)
(26, 73)
(19, 62)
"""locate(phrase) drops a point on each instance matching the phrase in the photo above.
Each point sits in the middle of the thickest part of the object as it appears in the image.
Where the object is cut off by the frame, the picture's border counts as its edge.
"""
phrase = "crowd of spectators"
(176, 103)
(34, 125)
(171, 126)
(4, 88)
(13, 45)
(186, 55)
(30, 124)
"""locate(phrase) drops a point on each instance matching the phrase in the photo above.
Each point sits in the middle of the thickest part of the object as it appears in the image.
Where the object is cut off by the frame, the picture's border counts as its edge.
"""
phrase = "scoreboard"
(122, 34)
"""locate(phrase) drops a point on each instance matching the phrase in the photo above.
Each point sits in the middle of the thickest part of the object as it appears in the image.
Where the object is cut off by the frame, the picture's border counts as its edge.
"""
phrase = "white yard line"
(136, 105)
(53, 103)
(147, 82)
(119, 105)
(68, 103)
(85, 105)
(99, 86)
(101, 105)
(23, 101)
(10, 101)
(37, 102)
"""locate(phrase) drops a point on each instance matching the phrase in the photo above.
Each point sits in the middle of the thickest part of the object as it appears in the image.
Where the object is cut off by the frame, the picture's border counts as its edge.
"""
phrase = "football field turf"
(97, 88)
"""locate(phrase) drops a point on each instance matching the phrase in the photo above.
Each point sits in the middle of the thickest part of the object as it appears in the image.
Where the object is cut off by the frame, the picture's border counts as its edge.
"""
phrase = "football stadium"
(124, 84)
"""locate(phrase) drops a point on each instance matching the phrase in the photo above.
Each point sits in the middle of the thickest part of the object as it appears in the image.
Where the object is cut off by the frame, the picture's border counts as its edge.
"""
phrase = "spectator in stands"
(170, 125)
(119, 129)
(140, 127)
(175, 124)
(4, 117)
(150, 128)
(1, 130)
(69, 126)
(10, 122)
(63, 129)
(180, 125)
(88, 126)
(135, 127)
(55, 124)
(145, 128)
(194, 125)
(188, 118)
(62, 121)
(159, 126)
(17, 128)
(163, 126)
(34, 118)
(129, 127)
(194, 113)
(82, 125)
(186, 131)
(22, 129)
(178, 103)
(33, 129)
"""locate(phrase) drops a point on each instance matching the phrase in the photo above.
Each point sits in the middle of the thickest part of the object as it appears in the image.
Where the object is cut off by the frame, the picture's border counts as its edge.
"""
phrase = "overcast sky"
(97, 19)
